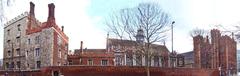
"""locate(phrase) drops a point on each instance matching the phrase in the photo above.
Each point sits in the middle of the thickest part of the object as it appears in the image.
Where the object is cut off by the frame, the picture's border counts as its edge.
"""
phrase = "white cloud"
(79, 26)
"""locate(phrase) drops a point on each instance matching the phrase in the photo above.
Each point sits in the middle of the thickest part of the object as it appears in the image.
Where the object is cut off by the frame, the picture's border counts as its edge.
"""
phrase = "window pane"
(37, 51)
(9, 53)
(104, 62)
(18, 64)
(18, 51)
(7, 65)
(12, 65)
(38, 64)
(90, 62)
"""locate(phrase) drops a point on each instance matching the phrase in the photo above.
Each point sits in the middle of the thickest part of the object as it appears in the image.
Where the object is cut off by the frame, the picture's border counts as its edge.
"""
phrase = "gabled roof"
(100, 53)
(133, 43)
(121, 42)
(188, 55)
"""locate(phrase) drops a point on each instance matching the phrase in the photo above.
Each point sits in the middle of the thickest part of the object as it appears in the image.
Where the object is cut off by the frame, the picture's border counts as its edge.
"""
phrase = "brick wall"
(96, 55)
(219, 53)
(116, 71)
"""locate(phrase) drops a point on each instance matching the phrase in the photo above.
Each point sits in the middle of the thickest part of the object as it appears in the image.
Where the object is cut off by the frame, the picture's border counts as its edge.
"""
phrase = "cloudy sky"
(84, 19)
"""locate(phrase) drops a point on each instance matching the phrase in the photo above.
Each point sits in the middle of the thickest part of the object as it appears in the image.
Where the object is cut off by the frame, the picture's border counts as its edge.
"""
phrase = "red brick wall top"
(116, 71)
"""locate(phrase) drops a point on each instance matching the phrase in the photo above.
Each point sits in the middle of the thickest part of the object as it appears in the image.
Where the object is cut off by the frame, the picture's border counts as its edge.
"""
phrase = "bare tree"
(147, 18)
(196, 32)
(3, 5)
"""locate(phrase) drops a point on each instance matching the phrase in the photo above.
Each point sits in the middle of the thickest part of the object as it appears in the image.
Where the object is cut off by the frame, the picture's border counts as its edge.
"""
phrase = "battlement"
(25, 14)
(16, 19)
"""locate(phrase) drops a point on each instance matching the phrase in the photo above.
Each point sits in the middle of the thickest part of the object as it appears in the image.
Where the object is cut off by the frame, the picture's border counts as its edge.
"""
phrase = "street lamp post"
(172, 34)
(172, 55)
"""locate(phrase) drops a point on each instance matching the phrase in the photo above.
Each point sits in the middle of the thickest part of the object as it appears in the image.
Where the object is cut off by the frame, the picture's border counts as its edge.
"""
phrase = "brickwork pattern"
(116, 71)
(47, 37)
(220, 53)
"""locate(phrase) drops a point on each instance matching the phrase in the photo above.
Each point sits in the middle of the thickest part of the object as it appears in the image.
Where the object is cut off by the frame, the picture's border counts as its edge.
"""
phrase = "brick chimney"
(81, 47)
(31, 17)
(51, 17)
(32, 5)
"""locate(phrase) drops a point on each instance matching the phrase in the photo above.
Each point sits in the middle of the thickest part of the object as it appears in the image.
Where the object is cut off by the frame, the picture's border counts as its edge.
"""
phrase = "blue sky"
(84, 19)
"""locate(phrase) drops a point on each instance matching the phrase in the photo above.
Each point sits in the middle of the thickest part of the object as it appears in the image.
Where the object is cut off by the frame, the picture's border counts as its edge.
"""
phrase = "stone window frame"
(104, 62)
(8, 42)
(59, 40)
(139, 61)
(29, 41)
(12, 65)
(70, 62)
(8, 32)
(129, 58)
(7, 65)
(18, 50)
(118, 60)
(28, 65)
(59, 63)
(156, 61)
(18, 64)
(38, 64)
(37, 51)
(18, 39)
(9, 53)
(27, 52)
(37, 39)
(19, 25)
(80, 61)
(90, 62)
(59, 53)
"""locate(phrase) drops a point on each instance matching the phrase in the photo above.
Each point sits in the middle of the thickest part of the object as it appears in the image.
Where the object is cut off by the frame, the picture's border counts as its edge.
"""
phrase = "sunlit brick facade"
(30, 44)
(91, 57)
(219, 53)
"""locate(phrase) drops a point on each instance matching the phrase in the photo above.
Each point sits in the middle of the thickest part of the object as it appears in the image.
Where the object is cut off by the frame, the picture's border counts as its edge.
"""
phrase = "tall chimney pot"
(51, 11)
(81, 46)
(32, 5)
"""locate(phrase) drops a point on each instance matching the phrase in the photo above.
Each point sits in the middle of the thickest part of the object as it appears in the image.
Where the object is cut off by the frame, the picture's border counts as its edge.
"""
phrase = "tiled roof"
(188, 55)
(132, 43)
(93, 53)
(122, 42)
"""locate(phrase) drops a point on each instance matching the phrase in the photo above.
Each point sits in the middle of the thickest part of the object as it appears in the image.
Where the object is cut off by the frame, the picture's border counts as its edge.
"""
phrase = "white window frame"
(103, 63)
(90, 62)
(37, 52)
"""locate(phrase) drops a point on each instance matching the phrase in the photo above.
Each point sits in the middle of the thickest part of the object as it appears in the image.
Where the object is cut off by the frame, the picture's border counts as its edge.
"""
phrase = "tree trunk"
(148, 71)
(148, 60)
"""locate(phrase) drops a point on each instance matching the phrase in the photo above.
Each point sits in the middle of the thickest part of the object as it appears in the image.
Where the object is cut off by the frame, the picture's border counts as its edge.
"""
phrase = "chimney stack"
(62, 28)
(51, 12)
(32, 5)
(81, 46)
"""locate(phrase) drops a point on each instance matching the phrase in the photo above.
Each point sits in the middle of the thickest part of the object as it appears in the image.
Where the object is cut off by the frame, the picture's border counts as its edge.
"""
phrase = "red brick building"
(219, 53)
(91, 57)
(30, 44)
(125, 54)
(112, 71)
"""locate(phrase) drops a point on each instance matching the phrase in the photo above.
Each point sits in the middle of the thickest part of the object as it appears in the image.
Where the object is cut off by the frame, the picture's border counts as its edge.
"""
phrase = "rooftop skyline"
(84, 19)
